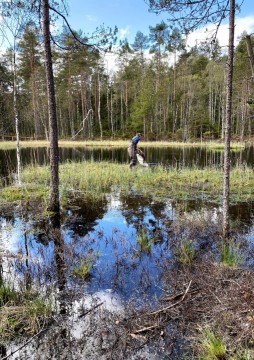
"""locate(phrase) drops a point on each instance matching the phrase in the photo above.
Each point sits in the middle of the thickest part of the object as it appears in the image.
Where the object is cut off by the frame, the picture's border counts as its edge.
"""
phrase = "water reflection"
(176, 157)
(106, 235)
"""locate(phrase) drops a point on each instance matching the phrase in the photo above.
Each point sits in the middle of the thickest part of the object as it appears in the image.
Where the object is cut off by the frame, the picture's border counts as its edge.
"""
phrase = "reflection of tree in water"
(241, 212)
(81, 216)
(139, 211)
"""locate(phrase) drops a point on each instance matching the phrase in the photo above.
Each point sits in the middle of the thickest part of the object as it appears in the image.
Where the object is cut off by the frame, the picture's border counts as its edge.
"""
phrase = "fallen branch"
(83, 124)
(172, 305)
(162, 310)
(145, 329)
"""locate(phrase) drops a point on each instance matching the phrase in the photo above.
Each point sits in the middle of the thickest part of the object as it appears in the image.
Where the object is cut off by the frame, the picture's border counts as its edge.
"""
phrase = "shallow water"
(107, 233)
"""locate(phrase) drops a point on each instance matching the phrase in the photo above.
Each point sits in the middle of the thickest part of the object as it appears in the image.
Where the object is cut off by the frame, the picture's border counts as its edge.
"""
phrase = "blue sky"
(131, 16)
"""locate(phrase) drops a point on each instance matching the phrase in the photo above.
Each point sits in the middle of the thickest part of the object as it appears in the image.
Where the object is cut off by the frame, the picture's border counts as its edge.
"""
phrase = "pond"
(111, 228)
(168, 156)
(124, 239)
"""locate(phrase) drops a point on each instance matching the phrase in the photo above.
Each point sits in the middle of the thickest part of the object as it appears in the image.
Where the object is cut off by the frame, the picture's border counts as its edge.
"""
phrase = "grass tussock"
(82, 269)
(21, 314)
(144, 241)
(185, 252)
(212, 345)
(231, 255)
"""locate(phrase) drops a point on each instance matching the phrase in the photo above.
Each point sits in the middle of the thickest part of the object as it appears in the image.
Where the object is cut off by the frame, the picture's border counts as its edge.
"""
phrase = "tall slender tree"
(54, 203)
(190, 15)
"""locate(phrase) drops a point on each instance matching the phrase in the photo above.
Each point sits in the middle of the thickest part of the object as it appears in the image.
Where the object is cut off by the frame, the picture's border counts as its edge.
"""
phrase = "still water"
(109, 230)
(182, 157)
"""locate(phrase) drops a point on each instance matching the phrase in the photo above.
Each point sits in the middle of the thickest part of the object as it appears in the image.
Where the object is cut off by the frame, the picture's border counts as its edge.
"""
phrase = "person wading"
(133, 150)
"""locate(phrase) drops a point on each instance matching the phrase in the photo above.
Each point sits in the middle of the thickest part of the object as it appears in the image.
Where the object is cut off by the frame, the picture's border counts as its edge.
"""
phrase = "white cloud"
(242, 24)
(123, 32)
(91, 18)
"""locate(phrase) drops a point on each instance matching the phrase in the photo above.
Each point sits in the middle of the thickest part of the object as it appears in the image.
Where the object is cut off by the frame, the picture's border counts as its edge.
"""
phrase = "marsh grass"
(23, 317)
(212, 345)
(230, 255)
(185, 252)
(92, 180)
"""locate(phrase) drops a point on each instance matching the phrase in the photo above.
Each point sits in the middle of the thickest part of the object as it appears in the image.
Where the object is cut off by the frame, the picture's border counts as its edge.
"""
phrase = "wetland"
(135, 267)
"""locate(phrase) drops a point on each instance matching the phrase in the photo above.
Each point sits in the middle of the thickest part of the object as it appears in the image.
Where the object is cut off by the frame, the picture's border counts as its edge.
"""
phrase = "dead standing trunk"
(226, 184)
(53, 128)
(250, 53)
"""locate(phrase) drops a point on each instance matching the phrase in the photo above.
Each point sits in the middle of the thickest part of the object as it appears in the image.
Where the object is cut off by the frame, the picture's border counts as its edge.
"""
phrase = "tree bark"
(226, 184)
(54, 205)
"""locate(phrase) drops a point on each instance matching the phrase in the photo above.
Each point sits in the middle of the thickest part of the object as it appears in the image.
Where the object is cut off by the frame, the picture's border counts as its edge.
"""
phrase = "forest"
(158, 86)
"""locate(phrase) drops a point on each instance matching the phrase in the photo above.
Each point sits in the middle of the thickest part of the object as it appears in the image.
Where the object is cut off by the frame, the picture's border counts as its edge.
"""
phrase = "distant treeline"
(182, 100)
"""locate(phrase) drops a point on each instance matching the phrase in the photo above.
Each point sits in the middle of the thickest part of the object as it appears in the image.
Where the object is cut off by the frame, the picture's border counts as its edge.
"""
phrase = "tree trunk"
(250, 53)
(16, 114)
(53, 129)
(226, 184)
(99, 105)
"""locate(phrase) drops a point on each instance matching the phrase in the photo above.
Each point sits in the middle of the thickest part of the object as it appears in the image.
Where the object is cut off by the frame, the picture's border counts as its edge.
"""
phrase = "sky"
(131, 16)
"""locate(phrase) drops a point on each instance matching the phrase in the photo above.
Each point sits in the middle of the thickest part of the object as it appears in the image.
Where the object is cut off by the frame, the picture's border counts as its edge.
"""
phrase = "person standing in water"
(133, 150)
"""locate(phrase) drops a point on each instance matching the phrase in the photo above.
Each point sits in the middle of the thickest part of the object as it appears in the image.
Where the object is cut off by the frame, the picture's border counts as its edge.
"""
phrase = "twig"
(145, 329)
(88, 311)
(170, 298)
(172, 305)
(161, 310)
(22, 346)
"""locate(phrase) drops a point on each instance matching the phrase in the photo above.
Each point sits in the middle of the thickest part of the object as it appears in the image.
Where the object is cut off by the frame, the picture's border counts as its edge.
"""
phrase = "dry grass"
(117, 143)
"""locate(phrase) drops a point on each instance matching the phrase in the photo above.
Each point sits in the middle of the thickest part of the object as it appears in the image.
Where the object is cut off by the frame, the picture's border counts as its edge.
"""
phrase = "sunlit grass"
(212, 345)
(118, 143)
(94, 179)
